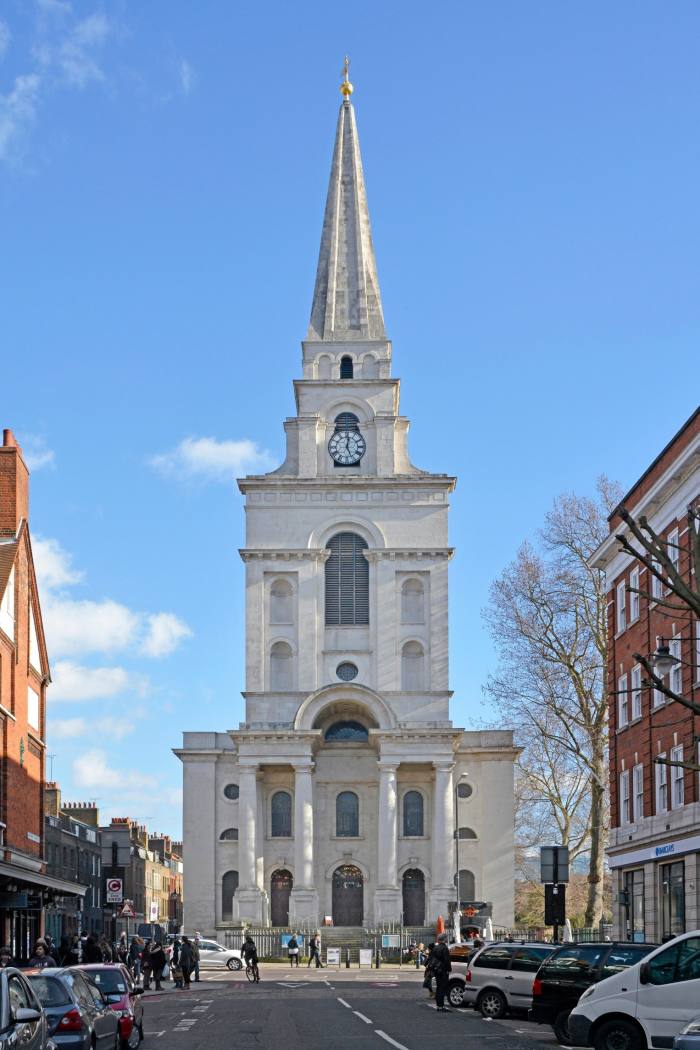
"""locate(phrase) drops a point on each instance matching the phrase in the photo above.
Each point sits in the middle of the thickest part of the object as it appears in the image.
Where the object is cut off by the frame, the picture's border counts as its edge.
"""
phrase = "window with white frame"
(636, 690)
(620, 608)
(638, 791)
(676, 673)
(625, 797)
(677, 779)
(673, 548)
(661, 785)
(657, 697)
(697, 650)
(623, 711)
(657, 588)
(634, 595)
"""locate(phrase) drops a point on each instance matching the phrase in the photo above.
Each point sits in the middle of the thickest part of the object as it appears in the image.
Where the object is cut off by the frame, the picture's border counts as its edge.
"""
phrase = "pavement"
(314, 1009)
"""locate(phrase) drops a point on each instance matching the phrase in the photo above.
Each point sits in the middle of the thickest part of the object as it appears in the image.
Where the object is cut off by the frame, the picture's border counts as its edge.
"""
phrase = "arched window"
(347, 731)
(281, 666)
(412, 666)
(346, 367)
(413, 814)
(467, 833)
(347, 815)
(347, 581)
(412, 610)
(346, 421)
(281, 813)
(466, 885)
(229, 885)
(324, 367)
(370, 368)
(281, 608)
(229, 835)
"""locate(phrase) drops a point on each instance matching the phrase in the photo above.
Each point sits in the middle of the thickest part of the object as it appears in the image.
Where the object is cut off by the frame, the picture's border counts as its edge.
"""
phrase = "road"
(315, 1009)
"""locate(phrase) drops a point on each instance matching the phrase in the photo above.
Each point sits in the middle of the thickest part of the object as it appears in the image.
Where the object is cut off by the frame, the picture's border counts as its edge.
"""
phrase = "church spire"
(347, 305)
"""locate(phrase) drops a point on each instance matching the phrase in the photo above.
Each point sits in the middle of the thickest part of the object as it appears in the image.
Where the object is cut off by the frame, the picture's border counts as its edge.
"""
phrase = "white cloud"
(17, 111)
(73, 682)
(5, 37)
(165, 632)
(74, 55)
(75, 627)
(211, 460)
(188, 77)
(36, 452)
(67, 728)
(92, 770)
(116, 726)
(53, 564)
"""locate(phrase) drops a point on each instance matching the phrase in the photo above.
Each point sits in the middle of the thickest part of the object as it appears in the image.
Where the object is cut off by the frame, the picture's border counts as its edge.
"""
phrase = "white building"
(337, 795)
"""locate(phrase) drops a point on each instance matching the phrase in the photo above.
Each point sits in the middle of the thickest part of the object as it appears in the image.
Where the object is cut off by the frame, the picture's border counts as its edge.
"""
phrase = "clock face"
(347, 447)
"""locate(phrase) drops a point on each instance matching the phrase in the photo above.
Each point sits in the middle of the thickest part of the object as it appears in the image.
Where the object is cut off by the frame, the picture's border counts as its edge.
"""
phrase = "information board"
(332, 956)
(366, 957)
(391, 940)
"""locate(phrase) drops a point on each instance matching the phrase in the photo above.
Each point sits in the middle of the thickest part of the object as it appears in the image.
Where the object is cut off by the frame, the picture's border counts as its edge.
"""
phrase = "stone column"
(443, 865)
(387, 897)
(249, 895)
(303, 902)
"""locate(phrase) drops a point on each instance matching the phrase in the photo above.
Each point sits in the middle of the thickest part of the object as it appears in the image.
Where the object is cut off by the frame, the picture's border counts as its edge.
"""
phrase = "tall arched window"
(229, 885)
(413, 814)
(347, 815)
(466, 885)
(281, 666)
(281, 815)
(412, 610)
(346, 367)
(412, 677)
(347, 580)
(281, 608)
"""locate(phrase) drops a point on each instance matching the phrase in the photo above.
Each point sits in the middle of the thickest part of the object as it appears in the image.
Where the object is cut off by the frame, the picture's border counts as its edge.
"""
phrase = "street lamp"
(460, 778)
(662, 660)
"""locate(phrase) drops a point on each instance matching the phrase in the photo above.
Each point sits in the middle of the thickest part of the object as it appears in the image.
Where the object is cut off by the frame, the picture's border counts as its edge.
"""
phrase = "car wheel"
(492, 1003)
(134, 1039)
(455, 993)
(561, 1027)
(617, 1035)
(234, 964)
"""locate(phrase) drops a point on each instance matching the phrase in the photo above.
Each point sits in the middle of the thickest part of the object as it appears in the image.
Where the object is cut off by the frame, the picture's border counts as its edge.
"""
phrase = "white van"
(646, 1005)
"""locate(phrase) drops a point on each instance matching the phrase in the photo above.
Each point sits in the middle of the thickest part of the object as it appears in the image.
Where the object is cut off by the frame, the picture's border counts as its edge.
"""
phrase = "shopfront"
(657, 890)
(24, 897)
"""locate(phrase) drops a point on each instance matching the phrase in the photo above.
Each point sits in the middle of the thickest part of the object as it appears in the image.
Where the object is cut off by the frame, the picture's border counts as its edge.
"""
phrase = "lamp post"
(460, 778)
(662, 659)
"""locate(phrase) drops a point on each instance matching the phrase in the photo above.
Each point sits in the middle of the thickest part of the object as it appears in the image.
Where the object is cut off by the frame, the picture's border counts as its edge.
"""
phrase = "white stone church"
(347, 792)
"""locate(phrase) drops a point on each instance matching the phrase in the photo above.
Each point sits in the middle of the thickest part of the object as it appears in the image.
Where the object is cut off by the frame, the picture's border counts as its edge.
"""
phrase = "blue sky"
(532, 173)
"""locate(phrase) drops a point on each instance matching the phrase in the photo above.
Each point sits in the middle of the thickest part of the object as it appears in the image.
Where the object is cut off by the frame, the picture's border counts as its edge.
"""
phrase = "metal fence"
(582, 934)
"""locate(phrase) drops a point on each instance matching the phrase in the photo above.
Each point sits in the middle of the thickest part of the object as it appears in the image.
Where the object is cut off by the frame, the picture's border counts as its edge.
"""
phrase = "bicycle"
(252, 972)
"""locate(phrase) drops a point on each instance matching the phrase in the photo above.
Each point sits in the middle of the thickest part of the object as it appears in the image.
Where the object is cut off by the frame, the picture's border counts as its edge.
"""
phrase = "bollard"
(378, 962)
(347, 958)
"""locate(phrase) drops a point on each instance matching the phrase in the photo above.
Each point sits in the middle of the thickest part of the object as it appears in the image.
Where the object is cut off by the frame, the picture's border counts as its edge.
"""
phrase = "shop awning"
(35, 878)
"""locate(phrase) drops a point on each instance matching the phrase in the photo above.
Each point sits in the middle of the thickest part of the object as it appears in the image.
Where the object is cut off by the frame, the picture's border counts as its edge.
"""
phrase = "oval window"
(465, 790)
(231, 791)
(346, 671)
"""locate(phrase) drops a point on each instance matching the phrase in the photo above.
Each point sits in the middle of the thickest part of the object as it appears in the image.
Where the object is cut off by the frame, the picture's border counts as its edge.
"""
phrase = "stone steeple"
(347, 305)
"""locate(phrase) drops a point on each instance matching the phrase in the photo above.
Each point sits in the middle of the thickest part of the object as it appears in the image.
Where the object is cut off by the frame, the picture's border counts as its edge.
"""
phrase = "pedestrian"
(146, 963)
(158, 962)
(5, 957)
(41, 959)
(122, 949)
(293, 949)
(73, 956)
(52, 949)
(105, 950)
(186, 961)
(175, 957)
(315, 951)
(135, 958)
(195, 953)
(91, 951)
(428, 976)
(441, 967)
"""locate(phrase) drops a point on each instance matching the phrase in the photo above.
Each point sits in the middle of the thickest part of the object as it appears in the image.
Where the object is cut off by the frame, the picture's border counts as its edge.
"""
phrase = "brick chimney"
(87, 812)
(14, 485)
(52, 798)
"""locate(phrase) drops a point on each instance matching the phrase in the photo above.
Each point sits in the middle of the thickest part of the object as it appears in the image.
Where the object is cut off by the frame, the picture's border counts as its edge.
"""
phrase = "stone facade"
(337, 796)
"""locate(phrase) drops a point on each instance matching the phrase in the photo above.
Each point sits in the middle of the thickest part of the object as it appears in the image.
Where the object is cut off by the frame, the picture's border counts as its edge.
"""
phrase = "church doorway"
(280, 888)
(348, 886)
(413, 898)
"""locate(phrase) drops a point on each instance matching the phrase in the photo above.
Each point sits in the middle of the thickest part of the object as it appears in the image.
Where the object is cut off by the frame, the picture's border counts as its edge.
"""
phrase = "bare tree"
(547, 616)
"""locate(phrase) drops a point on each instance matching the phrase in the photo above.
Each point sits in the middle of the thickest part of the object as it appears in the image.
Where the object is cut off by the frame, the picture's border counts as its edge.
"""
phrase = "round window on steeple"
(346, 671)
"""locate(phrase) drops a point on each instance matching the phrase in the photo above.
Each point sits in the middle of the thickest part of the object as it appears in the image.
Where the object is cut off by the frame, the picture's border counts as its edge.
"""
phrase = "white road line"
(157, 1035)
(388, 1039)
(362, 1017)
(344, 1003)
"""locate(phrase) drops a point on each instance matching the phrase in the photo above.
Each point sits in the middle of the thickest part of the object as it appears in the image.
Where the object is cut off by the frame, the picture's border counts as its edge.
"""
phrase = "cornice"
(411, 553)
(330, 483)
(284, 554)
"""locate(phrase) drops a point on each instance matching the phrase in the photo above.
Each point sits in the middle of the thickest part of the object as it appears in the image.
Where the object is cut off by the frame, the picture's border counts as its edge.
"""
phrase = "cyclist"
(250, 954)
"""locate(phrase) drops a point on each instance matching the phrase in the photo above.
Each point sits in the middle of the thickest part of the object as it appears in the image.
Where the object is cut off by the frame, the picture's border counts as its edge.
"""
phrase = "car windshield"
(50, 991)
(578, 959)
(111, 982)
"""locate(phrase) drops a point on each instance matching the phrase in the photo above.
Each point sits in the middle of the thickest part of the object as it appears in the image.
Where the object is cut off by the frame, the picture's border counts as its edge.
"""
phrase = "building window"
(623, 715)
(464, 791)
(657, 587)
(676, 673)
(7, 606)
(657, 697)
(346, 370)
(634, 595)
(33, 708)
(620, 609)
(413, 814)
(231, 791)
(281, 813)
(467, 833)
(412, 672)
(229, 835)
(347, 815)
(661, 786)
(673, 899)
(697, 650)
(636, 688)
(466, 885)
(342, 731)
(347, 581)
(412, 604)
(633, 908)
(625, 797)
(638, 789)
(346, 671)
(673, 549)
(677, 779)
(281, 666)
(281, 606)
(229, 885)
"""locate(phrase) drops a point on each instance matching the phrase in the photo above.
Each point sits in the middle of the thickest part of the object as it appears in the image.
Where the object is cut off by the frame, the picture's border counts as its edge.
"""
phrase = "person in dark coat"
(135, 949)
(158, 961)
(5, 957)
(441, 965)
(41, 959)
(186, 960)
(293, 950)
(91, 951)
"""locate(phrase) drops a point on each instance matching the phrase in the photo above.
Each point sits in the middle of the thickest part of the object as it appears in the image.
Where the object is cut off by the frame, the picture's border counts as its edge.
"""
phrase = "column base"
(388, 904)
(252, 906)
(303, 906)
(439, 901)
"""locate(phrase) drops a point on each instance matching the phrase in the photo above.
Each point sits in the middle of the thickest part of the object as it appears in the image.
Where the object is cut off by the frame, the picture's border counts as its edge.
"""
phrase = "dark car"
(115, 983)
(78, 1015)
(564, 976)
(22, 1021)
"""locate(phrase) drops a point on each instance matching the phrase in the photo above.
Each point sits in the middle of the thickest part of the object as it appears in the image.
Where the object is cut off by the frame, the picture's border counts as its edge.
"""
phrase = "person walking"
(186, 961)
(105, 950)
(91, 951)
(158, 962)
(315, 951)
(41, 959)
(52, 949)
(5, 957)
(135, 958)
(293, 949)
(441, 966)
(195, 952)
(146, 963)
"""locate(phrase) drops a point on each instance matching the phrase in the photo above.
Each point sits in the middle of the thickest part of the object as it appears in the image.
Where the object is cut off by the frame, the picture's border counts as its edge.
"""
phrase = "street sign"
(332, 956)
(127, 911)
(153, 914)
(115, 891)
(554, 905)
(391, 940)
(554, 863)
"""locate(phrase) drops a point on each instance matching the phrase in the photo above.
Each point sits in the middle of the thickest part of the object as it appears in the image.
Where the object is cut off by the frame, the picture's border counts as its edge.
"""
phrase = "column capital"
(386, 766)
(443, 765)
(304, 765)
(248, 765)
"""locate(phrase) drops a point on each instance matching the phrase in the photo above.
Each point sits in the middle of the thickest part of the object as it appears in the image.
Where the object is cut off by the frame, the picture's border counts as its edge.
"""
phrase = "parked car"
(212, 955)
(78, 1015)
(123, 996)
(22, 1020)
(645, 1005)
(570, 970)
(498, 978)
(689, 1036)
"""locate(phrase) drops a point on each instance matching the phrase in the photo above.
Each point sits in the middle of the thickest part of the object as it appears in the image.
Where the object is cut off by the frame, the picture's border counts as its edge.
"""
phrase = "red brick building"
(654, 847)
(25, 888)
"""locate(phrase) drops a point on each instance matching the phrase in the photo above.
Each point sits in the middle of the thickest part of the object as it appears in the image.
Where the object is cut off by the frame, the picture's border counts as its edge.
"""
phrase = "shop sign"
(18, 901)
(677, 848)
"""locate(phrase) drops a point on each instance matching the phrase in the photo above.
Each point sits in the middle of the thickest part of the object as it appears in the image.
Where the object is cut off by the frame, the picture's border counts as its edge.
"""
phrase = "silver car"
(498, 978)
(22, 1020)
(689, 1037)
(213, 955)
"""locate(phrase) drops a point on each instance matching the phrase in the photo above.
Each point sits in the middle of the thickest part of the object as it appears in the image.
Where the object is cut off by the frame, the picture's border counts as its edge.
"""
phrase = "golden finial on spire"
(346, 88)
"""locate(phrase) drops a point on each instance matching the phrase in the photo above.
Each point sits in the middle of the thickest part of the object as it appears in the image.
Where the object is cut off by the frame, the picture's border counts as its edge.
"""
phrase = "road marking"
(344, 1003)
(157, 1035)
(362, 1017)
(388, 1039)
